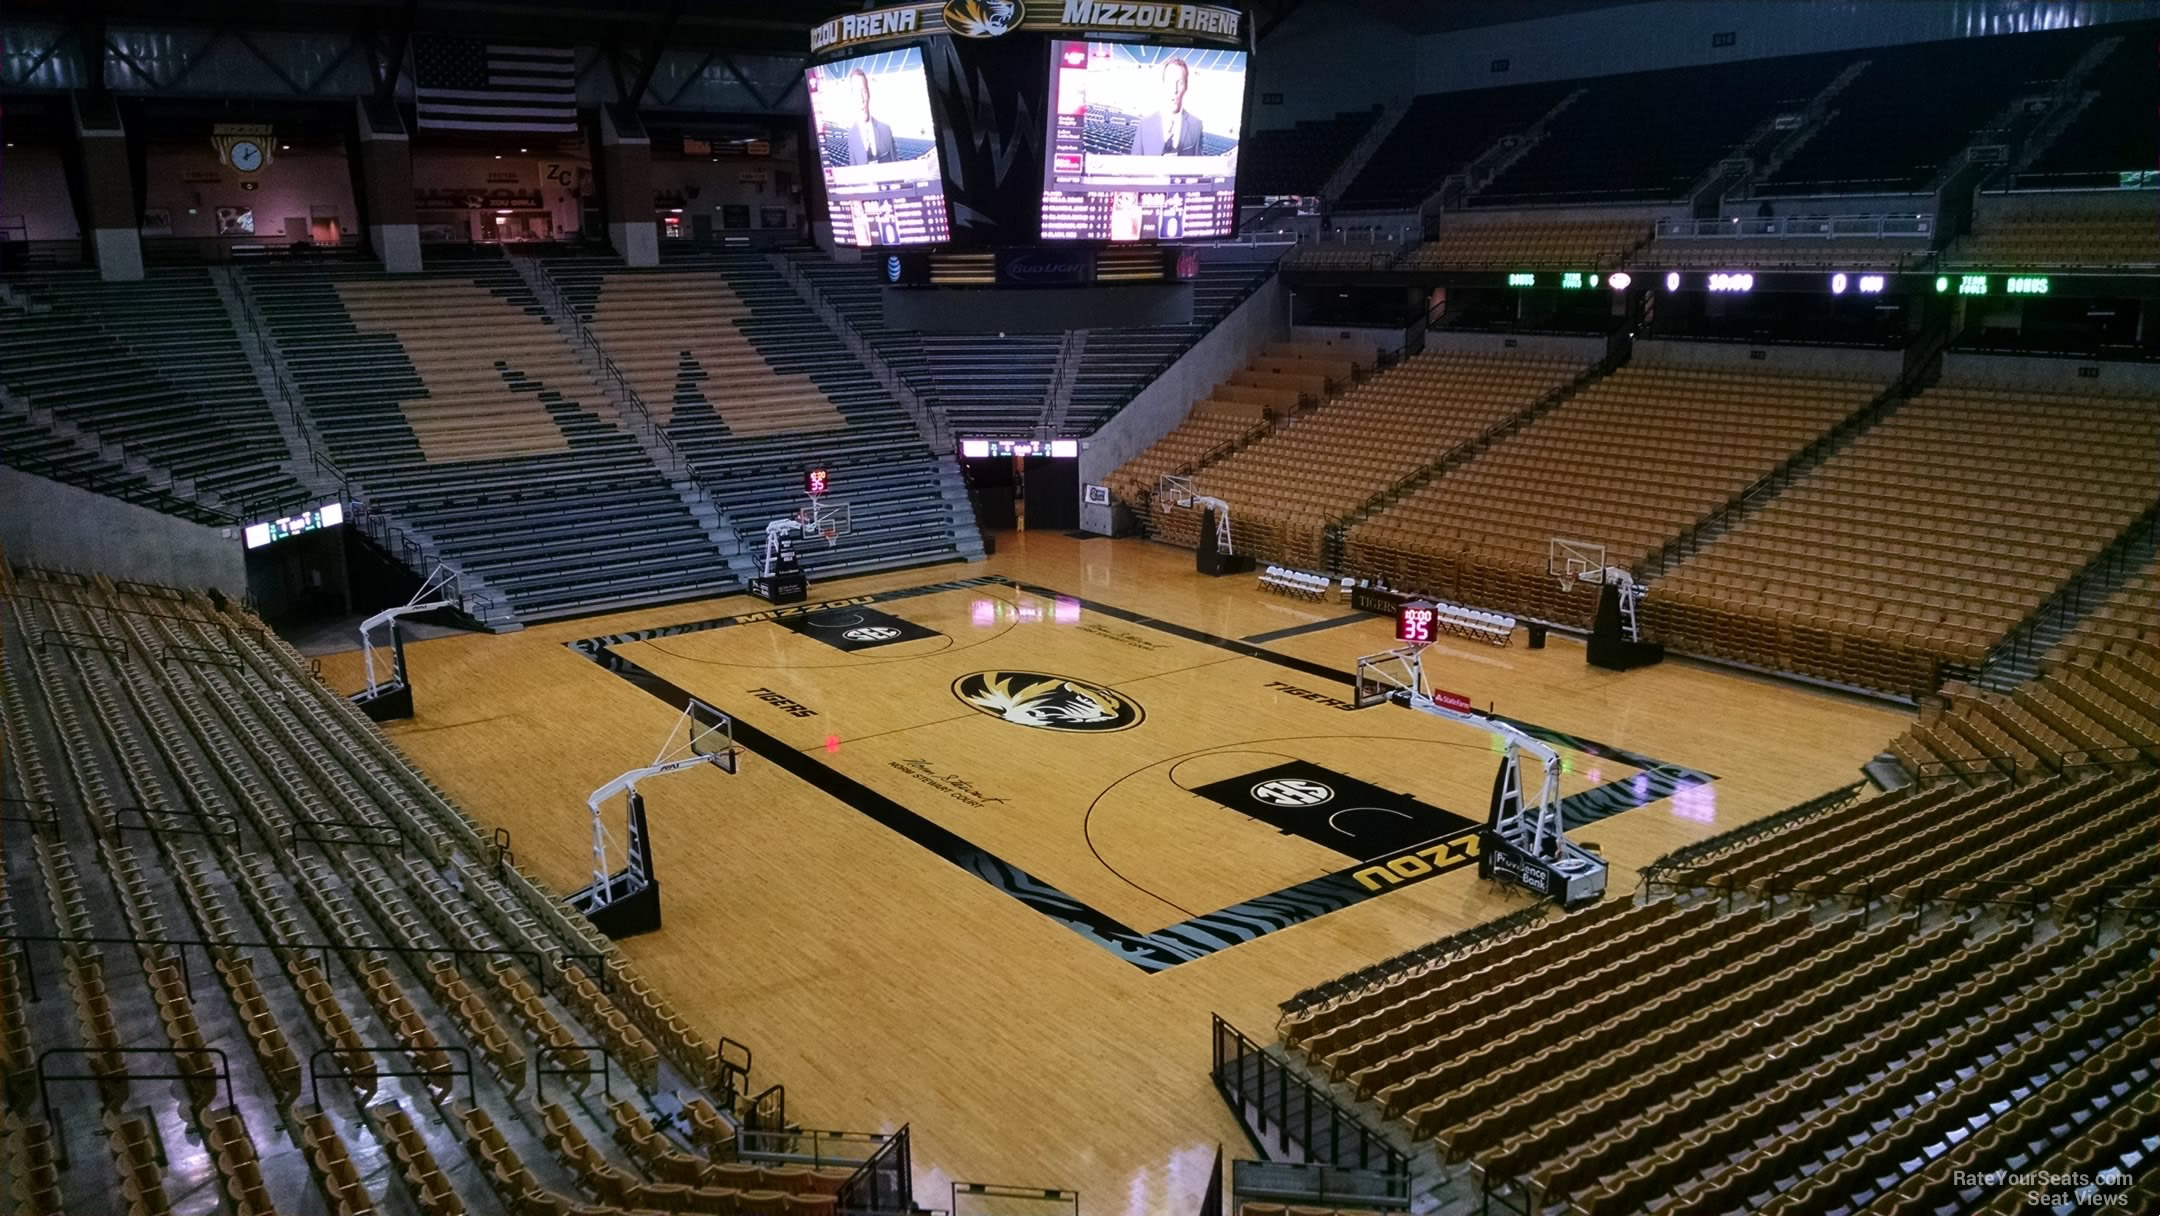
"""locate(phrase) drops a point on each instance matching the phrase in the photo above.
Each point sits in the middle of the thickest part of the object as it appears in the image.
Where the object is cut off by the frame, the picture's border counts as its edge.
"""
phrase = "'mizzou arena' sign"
(1217, 23)
(874, 26)
(1211, 20)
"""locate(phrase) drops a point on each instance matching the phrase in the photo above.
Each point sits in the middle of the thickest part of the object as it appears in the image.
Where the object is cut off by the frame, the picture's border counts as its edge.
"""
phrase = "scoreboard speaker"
(988, 94)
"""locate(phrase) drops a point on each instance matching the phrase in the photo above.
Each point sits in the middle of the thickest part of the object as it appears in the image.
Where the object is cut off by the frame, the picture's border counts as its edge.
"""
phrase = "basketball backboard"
(1384, 677)
(712, 734)
(826, 518)
(1568, 560)
(1174, 488)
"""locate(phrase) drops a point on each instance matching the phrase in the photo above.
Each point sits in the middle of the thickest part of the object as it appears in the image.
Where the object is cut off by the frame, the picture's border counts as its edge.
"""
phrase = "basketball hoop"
(827, 518)
(1568, 561)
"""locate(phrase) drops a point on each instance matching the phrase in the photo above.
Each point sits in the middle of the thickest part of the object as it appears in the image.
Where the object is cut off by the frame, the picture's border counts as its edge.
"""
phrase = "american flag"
(463, 84)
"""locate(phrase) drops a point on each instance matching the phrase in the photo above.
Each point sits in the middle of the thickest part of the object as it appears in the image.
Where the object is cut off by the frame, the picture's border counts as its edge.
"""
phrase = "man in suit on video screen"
(1170, 131)
(869, 142)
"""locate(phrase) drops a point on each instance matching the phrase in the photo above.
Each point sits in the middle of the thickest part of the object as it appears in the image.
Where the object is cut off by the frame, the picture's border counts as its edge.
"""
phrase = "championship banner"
(985, 19)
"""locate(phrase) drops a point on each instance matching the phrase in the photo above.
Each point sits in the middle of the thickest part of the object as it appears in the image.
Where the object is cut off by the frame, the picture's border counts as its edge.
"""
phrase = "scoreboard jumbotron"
(1063, 146)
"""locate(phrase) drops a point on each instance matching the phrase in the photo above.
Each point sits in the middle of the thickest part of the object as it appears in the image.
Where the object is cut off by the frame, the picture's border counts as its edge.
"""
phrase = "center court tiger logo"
(871, 633)
(1291, 791)
(983, 18)
(1030, 698)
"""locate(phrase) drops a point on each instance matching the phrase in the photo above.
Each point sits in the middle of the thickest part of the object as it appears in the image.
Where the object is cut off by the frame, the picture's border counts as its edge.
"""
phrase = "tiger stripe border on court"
(1185, 941)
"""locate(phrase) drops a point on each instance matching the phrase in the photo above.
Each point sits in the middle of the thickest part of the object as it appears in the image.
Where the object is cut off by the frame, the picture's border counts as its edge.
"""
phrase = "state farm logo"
(1291, 791)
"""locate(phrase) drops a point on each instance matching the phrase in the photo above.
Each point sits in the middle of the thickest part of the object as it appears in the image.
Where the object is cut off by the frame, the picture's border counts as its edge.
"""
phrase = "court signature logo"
(871, 633)
(1292, 791)
(1030, 698)
(983, 18)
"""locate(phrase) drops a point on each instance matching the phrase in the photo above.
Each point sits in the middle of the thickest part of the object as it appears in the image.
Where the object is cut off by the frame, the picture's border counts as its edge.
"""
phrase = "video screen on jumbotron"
(879, 150)
(1143, 142)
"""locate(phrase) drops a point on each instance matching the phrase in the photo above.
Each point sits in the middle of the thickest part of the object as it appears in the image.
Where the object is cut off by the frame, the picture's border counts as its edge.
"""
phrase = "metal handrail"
(344, 1073)
(136, 493)
(1926, 892)
(909, 397)
(768, 1111)
(1259, 430)
(559, 303)
(2068, 600)
(1170, 360)
(2123, 896)
(1689, 542)
(1798, 227)
(547, 1051)
(415, 554)
(1371, 1150)
(790, 1146)
(210, 949)
(230, 509)
(884, 1183)
(392, 537)
(288, 393)
(2072, 762)
(44, 1079)
(1475, 444)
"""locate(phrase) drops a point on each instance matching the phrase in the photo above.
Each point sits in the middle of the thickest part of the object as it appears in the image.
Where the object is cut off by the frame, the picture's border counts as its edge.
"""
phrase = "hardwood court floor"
(914, 909)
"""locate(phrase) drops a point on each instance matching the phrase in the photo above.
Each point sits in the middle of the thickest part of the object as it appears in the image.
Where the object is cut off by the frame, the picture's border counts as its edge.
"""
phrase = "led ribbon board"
(981, 449)
(328, 515)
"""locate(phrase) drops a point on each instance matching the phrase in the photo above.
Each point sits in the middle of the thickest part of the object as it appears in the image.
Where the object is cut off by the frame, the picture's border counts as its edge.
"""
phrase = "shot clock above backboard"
(1414, 622)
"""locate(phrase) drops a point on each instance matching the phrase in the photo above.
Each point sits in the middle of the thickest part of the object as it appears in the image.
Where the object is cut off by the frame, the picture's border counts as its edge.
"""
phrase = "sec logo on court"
(1292, 791)
(872, 633)
(1047, 702)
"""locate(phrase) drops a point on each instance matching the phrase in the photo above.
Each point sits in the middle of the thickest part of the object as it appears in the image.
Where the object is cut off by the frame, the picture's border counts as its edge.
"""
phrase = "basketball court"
(1244, 801)
(1021, 826)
